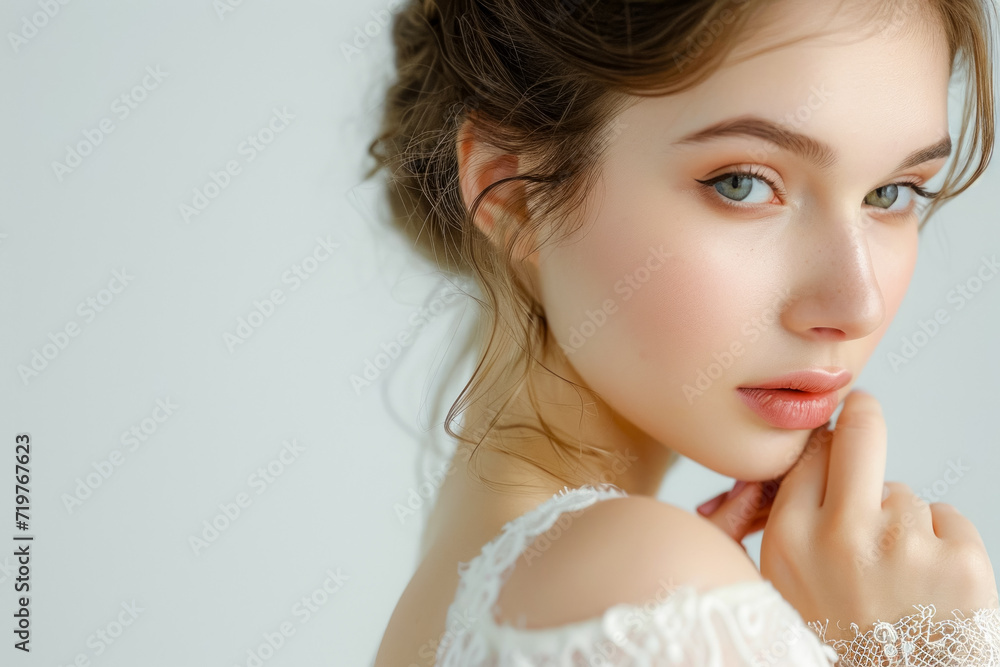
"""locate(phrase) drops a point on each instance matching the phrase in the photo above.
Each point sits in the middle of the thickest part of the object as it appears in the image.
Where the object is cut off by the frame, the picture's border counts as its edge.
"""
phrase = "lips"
(800, 400)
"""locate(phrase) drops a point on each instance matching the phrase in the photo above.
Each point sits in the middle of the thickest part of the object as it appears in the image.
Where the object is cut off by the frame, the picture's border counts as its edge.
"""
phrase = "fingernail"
(710, 506)
(737, 487)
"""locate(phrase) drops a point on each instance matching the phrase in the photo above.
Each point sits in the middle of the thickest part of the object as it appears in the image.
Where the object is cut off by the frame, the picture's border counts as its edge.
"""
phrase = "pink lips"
(799, 400)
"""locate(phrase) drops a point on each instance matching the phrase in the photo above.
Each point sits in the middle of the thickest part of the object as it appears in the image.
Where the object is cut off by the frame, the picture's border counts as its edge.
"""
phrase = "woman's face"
(689, 282)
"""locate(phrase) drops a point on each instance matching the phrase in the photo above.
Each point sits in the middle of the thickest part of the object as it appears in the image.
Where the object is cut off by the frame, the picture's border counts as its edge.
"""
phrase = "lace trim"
(480, 580)
(918, 640)
(747, 623)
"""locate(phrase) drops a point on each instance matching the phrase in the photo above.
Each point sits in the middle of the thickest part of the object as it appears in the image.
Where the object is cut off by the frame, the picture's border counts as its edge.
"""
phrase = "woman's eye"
(887, 195)
(752, 188)
(744, 188)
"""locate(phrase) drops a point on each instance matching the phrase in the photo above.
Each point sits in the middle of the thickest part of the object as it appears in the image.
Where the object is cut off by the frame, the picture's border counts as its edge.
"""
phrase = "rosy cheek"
(674, 323)
(895, 259)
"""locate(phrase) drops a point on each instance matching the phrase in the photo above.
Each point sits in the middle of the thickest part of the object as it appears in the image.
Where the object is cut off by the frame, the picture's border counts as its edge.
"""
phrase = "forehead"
(832, 74)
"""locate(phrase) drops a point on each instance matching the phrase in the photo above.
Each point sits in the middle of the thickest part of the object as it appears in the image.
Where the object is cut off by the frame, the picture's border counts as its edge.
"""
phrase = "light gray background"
(331, 509)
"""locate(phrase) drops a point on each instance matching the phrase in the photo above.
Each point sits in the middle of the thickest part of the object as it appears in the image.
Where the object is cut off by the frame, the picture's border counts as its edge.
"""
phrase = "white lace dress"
(748, 623)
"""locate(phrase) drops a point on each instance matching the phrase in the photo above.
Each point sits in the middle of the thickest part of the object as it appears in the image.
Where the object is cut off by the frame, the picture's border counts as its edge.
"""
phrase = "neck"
(518, 465)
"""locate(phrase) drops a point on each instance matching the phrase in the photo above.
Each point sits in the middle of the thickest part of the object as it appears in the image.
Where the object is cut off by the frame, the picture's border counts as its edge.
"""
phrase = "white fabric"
(918, 640)
(742, 624)
(748, 623)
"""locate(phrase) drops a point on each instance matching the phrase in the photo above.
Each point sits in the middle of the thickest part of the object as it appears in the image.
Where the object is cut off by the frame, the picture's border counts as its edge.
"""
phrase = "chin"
(768, 456)
(785, 458)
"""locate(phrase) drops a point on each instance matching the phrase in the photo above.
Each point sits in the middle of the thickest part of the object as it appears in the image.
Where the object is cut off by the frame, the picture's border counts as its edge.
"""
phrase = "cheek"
(643, 311)
(894, 256)
(685, 314)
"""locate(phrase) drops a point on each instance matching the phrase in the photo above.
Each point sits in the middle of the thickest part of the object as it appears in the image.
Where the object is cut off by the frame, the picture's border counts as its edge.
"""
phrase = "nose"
(835, 293)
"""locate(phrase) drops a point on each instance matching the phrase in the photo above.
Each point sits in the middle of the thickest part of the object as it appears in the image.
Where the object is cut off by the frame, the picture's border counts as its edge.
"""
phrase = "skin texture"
(844, 265)
(805, 276)
(809, 278)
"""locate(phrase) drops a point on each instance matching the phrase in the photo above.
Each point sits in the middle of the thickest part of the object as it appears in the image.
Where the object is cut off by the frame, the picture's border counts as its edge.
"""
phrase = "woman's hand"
(836, 549)
(741, 511)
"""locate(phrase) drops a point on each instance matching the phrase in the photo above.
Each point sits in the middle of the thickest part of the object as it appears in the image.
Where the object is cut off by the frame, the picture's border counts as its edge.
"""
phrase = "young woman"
(689, 224)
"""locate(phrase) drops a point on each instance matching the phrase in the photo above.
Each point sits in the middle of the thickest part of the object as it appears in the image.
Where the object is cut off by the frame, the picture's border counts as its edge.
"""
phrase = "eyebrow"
(813, 150)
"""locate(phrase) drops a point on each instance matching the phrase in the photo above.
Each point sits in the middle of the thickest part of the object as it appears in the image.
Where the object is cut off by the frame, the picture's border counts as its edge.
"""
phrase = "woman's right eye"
(743, 187)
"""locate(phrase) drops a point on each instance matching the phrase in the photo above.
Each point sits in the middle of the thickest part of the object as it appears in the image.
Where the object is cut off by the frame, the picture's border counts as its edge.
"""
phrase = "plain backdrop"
(162, 420)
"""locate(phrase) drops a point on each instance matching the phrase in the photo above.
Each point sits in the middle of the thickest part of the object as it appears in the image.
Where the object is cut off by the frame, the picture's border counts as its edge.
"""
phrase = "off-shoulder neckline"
(569, 499)
(472, 633)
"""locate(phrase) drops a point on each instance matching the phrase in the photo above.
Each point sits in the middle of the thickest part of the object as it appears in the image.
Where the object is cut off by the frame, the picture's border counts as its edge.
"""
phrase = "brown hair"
(543, 80)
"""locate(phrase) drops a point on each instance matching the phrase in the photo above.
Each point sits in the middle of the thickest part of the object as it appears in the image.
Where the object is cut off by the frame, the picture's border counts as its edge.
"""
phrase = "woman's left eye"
(888, 195)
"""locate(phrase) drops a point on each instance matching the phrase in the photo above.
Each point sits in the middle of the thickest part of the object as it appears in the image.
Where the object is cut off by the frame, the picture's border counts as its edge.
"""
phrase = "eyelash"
(755, 172)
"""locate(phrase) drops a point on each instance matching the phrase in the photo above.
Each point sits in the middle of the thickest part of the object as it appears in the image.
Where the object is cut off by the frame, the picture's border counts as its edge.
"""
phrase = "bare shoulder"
(621, 550)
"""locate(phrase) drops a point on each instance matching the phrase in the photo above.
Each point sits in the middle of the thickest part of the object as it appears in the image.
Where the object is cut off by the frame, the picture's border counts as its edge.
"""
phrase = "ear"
(480, 165)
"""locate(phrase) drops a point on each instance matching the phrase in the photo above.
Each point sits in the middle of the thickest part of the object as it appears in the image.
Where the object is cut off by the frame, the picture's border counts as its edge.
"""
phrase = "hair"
(543, 81)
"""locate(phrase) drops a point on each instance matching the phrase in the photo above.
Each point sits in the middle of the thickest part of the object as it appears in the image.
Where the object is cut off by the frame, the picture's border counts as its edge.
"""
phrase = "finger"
(737, 514)
(708, 507)
(802, 487)
(770, 490)
(857, 456)
(764, 511)
(950, 524)
(903, 502)
(757, 526)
